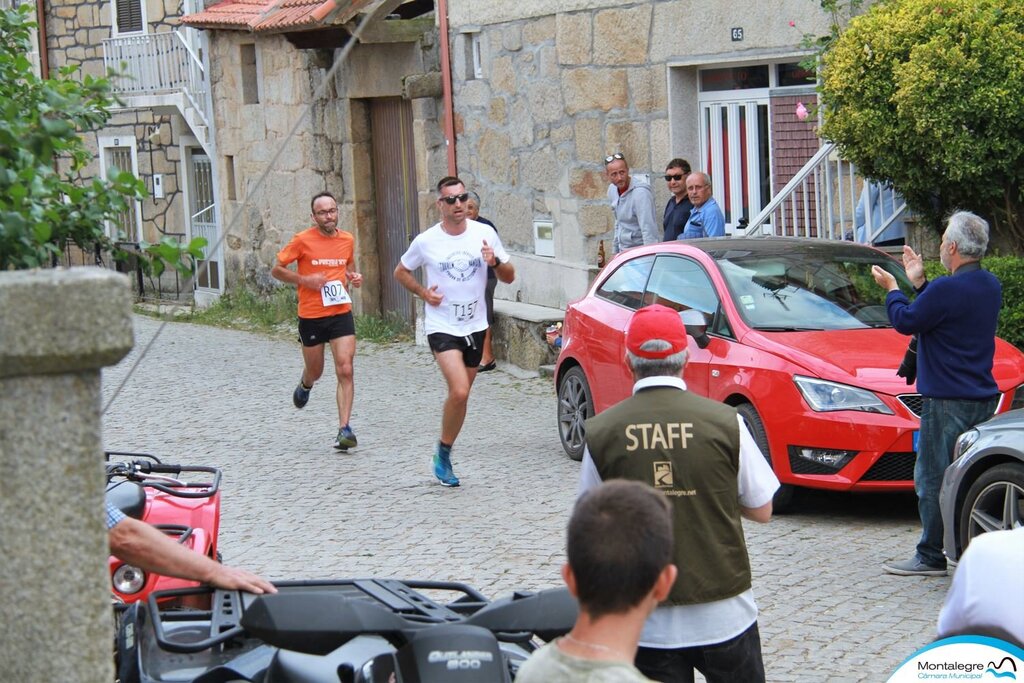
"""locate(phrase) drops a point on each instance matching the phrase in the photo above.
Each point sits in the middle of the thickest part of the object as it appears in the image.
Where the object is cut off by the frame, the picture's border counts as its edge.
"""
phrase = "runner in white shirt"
(455, 254)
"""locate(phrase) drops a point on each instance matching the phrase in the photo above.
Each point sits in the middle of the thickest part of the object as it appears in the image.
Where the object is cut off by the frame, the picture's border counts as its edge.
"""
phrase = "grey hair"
(669, 366)
(705, 176)
(474, 196)
(970, 232)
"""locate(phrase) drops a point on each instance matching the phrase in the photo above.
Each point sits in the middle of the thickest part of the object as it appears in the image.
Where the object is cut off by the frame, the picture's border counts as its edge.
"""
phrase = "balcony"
(161, 71)
(828, 199)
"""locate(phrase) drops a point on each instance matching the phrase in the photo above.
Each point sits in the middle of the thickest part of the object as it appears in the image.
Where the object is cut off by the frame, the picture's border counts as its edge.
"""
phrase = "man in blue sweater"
(955, 319)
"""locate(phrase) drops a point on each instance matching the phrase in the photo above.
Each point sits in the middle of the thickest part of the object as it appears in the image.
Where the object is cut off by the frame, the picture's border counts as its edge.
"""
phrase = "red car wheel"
(575, 405)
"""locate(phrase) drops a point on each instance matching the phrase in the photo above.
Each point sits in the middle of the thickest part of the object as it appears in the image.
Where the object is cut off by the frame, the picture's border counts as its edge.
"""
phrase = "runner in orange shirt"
(325, 267)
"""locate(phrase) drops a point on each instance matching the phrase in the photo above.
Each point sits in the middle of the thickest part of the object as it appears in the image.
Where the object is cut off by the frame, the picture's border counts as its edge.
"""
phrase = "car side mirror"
(696, 326)
(699, 334)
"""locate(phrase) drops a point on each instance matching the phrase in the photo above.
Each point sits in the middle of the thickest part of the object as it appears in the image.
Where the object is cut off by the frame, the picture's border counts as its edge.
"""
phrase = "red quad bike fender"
(183, 501)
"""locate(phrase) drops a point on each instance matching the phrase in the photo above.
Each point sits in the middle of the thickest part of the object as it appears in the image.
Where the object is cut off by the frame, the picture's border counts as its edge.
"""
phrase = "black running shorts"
(316, 331)
(472, 346)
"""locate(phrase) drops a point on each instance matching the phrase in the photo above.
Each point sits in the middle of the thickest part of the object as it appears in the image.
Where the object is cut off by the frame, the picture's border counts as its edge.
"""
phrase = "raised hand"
(914, 265)
(884, 278)
(487, 253)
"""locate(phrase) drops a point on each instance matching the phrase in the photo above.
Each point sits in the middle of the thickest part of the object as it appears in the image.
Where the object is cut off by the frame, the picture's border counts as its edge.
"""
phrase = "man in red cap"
(699, 453)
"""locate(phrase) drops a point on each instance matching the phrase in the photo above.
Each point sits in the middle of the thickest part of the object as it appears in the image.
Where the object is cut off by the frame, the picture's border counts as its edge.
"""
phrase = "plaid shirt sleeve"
(114, 516)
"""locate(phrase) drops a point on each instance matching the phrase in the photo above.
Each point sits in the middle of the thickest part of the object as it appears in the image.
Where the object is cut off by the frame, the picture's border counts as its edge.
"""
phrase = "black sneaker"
(913, 567)
(301, 396)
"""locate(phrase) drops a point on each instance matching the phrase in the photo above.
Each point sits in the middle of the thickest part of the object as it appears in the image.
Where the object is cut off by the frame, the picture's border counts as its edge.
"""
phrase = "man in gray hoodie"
(632, 202)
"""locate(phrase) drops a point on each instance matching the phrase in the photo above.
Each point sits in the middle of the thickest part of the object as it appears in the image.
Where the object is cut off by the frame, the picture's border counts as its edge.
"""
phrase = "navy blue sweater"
(955, 319)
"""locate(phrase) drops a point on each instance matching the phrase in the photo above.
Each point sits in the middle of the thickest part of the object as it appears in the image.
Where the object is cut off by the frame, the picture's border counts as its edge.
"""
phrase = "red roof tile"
(273, 15)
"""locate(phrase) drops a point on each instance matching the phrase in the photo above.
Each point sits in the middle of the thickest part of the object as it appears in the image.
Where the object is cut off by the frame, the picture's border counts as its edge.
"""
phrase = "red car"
(792, 332)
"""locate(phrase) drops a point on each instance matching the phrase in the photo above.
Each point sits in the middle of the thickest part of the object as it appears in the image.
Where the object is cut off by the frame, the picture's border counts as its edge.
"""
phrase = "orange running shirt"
(318, 253)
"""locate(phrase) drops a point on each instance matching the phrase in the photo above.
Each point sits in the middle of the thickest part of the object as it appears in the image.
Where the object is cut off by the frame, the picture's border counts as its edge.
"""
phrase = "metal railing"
(158, 63)
(169, 287)
(823, 200)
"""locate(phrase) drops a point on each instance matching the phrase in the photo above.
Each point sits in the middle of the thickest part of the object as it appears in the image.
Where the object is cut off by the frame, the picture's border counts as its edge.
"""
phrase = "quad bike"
(342, 631)
(183, 501)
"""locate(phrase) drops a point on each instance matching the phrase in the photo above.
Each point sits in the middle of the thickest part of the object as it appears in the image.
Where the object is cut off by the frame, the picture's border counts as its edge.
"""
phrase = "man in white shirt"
(455, 254)
(987, 595)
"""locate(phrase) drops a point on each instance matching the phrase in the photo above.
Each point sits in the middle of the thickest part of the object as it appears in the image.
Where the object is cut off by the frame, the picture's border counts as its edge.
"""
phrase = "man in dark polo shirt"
(700, 455)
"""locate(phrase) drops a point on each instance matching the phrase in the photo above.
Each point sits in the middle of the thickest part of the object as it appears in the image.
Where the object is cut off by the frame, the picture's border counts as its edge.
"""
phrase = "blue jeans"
(942, 421)
(733, 661)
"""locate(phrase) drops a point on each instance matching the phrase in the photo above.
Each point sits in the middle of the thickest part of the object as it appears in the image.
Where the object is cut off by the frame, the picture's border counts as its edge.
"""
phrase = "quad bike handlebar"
(148, 470)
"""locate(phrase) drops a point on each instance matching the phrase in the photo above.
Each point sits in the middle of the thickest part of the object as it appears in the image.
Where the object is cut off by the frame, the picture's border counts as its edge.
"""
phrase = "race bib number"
(334, 294)
(461, 311)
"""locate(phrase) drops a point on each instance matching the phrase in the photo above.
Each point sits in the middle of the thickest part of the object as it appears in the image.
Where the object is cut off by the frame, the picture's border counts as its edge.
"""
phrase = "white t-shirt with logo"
(455, 265)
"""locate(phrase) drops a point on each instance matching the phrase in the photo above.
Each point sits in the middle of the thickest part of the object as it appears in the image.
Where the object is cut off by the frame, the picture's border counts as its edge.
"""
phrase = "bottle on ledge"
(600, 255)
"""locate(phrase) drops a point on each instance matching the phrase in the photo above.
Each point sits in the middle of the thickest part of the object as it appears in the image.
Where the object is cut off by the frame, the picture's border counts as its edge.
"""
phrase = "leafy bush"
(43, 204)
(929, 94)
(1010, 271)
(243, 308)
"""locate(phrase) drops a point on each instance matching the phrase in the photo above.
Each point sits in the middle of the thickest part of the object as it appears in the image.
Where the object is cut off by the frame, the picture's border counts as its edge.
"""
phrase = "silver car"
(983, 490)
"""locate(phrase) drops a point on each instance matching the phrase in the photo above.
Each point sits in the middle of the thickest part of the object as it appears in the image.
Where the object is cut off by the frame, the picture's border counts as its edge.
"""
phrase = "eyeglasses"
(674, 177)
(326, 212)
(618, 155)
(451, 199)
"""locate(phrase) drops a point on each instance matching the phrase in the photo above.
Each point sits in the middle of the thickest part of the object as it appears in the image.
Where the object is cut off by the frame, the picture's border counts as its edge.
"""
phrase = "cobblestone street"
(295, 508)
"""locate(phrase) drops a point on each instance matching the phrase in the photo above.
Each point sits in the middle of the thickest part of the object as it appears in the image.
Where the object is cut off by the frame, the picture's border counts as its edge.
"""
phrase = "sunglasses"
(464, 197)
(618, 155)
(674, 177)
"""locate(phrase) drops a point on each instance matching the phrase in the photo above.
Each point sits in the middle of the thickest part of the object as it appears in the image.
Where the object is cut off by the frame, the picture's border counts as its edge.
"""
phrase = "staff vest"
(687, 447)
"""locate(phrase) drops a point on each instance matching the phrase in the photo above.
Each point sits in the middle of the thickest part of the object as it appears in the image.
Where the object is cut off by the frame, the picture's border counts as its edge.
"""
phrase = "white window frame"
(113, 21)
(473, 53)
(110, 141)
(476, 50)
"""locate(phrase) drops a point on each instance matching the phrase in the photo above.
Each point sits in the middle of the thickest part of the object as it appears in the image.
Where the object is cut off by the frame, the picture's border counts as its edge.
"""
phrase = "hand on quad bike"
(146, 547)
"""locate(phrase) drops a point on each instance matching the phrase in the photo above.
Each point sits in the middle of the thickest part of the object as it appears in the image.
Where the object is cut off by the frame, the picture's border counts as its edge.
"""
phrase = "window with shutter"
(129, 16)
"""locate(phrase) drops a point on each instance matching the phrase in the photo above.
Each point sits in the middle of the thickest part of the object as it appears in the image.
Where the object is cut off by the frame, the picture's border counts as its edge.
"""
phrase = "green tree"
(929, 94)
(45, 204)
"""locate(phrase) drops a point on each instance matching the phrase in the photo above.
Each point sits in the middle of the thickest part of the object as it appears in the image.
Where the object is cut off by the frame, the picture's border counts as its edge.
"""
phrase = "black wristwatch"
(497, 262)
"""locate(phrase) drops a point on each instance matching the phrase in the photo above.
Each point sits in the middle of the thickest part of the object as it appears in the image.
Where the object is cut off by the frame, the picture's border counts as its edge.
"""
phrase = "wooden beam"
(394, 30)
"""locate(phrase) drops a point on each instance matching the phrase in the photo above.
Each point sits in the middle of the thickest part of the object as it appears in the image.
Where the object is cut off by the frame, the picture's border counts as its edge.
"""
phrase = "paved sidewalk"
(293, 507)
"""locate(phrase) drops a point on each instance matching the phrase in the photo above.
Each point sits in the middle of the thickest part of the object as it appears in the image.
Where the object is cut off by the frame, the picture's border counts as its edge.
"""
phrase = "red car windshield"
(826, 289)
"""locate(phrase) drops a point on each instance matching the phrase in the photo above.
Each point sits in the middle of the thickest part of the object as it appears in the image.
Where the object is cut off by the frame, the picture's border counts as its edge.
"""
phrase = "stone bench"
(518, 334)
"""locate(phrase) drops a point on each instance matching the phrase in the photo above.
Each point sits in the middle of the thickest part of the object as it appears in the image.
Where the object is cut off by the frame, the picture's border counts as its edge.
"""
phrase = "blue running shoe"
(301, 396)
(346, 439)
(443, 467)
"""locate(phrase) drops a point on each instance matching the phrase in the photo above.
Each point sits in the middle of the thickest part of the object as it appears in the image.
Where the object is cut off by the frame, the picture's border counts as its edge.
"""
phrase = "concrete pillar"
(57, 329)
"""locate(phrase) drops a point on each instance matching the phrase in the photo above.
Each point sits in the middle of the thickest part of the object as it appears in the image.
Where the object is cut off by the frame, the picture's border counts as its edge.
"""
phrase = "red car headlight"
(823, 396)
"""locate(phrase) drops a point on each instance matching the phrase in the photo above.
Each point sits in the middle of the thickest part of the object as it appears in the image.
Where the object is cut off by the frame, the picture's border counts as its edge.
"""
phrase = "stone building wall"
(565, 83)
(330, 150)
(75, 31)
